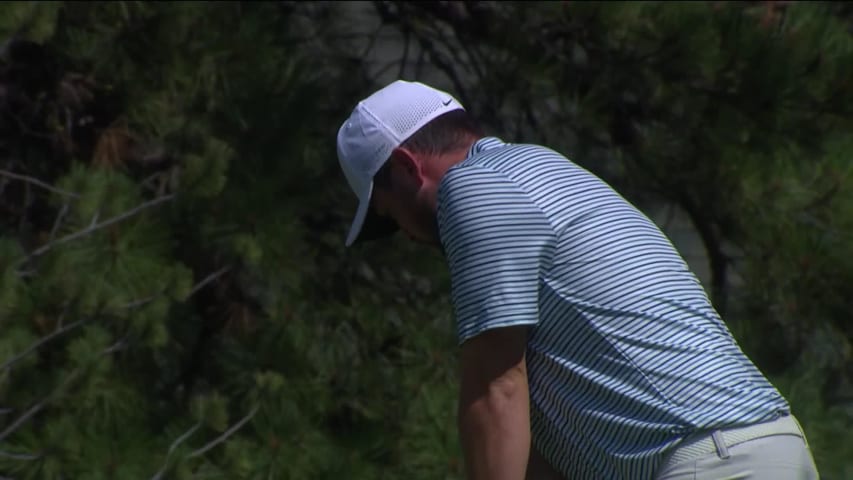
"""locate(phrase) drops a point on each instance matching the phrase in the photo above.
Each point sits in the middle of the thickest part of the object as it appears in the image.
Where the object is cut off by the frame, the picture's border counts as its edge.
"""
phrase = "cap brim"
(368, 225)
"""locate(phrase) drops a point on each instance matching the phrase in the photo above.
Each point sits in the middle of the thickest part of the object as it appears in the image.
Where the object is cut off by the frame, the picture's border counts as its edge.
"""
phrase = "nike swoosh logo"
(447, 102)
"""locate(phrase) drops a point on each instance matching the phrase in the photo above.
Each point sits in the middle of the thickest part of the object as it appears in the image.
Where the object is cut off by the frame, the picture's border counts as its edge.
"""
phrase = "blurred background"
(175, 297)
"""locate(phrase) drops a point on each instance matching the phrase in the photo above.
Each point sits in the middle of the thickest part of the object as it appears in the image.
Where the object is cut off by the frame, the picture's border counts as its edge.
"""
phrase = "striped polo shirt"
(625, 355)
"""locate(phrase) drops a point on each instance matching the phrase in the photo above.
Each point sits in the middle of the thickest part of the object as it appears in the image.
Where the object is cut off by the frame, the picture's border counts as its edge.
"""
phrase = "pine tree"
(176, 299)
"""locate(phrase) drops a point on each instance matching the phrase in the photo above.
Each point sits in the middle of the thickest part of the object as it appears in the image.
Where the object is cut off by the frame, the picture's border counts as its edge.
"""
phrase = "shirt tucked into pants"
(776, 450)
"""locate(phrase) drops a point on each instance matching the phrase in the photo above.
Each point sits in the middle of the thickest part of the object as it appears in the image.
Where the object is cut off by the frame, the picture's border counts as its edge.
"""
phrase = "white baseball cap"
(378, 125)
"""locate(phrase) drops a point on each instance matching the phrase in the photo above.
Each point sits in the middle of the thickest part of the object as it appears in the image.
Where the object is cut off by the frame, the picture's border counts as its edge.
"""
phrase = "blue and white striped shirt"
(625, 353)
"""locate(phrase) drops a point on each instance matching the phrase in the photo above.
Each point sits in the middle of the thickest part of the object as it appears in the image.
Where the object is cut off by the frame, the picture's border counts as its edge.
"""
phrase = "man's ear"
(406, 167)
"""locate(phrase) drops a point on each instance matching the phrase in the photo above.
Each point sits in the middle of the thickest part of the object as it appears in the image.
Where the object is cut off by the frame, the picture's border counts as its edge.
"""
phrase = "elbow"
(501, 396)
(493, 374)
(508, 387)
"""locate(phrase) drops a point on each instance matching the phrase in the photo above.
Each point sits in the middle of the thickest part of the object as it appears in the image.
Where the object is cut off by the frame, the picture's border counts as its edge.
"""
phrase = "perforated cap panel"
(404, 107)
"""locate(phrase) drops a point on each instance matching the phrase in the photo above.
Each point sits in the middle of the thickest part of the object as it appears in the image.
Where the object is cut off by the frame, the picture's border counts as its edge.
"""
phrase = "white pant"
(784, 456)
(779, 456)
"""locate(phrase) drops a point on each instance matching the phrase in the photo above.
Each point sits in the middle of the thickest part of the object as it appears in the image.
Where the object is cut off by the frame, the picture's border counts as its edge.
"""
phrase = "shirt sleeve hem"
(469, 333)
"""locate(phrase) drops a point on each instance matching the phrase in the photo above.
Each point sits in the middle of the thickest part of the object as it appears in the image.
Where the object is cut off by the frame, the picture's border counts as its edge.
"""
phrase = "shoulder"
(478, 204)
(475, 188)
(492, 163)
(496, 154)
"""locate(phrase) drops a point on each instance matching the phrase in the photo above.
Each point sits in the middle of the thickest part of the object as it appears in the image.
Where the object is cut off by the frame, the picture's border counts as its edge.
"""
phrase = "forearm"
(495, 430)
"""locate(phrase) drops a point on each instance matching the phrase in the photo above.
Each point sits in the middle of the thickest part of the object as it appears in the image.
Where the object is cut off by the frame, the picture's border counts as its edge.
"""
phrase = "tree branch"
(225, 435)
(140, 302)
(213, 276)
(427, 46)
(26, 416)
(119, 345)
(39, 183)
(58, 221)
(19, 456)
(96, 226)
(178, 441)
(59, 331)
(198, 286)
(44, 401)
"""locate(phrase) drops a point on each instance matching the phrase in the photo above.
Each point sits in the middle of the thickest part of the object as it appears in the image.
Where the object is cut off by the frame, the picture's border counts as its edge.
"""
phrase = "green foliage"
(36, 21)
(210, 410)
(184, 305)
(824, 426)
(85, 352)
(204, 173)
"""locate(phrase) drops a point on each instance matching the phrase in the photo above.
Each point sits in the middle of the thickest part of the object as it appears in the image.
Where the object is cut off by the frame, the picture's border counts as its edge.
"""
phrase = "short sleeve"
(496, 240)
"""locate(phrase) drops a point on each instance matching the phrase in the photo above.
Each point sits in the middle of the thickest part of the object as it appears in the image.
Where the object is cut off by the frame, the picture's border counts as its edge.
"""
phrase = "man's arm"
(497, 242)
(494, 421)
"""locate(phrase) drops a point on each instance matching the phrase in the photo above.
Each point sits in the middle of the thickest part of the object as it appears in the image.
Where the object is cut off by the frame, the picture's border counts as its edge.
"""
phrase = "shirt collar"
(483, 144)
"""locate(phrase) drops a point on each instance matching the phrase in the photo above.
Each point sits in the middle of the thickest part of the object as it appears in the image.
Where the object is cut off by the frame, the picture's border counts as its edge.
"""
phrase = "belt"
(719, 440)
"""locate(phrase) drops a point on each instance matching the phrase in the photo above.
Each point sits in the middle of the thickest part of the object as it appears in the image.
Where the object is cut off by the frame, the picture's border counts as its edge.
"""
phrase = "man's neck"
(439, 165)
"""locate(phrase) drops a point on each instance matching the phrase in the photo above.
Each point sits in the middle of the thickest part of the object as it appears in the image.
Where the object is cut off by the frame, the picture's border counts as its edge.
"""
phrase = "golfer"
(588, 349)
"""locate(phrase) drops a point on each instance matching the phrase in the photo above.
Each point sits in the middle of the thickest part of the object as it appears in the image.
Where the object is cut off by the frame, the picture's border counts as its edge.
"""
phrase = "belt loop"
(720, 443)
